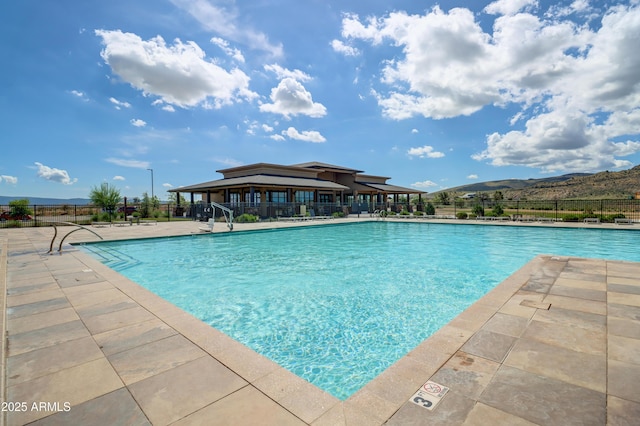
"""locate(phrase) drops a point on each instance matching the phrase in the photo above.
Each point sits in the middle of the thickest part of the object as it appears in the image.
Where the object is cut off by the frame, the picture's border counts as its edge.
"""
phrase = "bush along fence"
(45, 215)
(605, 210)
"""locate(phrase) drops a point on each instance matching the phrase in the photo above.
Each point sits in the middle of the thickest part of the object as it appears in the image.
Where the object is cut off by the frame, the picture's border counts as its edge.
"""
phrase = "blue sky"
(434, 95)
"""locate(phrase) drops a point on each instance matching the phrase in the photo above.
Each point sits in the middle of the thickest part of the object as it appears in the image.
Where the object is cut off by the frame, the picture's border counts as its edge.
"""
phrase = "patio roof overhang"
(386, 188)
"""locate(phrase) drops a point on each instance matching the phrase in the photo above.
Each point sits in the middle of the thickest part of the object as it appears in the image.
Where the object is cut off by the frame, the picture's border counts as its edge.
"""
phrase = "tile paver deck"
(558, 342)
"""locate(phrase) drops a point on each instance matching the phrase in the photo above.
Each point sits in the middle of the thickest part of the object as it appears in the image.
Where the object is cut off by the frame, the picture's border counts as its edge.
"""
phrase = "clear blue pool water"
(338, 304)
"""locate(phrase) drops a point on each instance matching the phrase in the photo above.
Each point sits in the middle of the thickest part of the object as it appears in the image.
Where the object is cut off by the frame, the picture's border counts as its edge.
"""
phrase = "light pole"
(151, 170)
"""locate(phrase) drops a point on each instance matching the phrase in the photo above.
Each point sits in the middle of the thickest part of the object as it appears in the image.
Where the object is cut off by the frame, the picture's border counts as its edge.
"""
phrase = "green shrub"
(418, 213)
(246, 218)
(461, 215)
(429, 209)
(337, 214)
(498, 210)
(404, 213)
(478, 210)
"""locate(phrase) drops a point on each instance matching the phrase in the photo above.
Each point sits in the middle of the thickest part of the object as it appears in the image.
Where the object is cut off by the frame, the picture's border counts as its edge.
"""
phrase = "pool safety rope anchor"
(55, 234)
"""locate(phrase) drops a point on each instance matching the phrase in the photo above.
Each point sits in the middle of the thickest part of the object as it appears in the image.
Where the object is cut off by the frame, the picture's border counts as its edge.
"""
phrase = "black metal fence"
(565, 210)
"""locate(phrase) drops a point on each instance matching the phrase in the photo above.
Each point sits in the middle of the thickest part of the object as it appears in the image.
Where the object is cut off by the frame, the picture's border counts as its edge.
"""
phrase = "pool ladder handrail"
(55, 234)
(227, 212)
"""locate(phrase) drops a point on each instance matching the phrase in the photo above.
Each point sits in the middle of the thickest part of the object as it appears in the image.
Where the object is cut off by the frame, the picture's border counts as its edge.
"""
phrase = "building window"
(234, 198)
(326, 198)
(277, 196)
(304, 196)
(256, 197)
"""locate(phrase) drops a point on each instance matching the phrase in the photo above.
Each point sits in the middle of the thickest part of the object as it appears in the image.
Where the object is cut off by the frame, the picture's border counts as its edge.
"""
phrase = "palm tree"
(105, 197)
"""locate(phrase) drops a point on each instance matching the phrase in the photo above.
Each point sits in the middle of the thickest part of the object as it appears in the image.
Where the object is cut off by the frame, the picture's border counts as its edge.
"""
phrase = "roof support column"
(252, 196)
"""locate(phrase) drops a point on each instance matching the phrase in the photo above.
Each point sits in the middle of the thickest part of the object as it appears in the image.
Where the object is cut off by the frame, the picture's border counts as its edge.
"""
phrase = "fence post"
(556, 219)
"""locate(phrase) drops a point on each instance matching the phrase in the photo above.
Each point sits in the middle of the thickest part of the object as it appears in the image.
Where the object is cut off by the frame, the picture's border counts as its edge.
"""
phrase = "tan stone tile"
(466, 374)
(623, 327)
(626, 281)
(483, 415)
(125, 338)
(374, 405)
(81, 300)
(97, 378)
(624, 349)
(47, 336)
(448, 339)
(33, 297)
(37, 307)
(41, 320)
(543, 400)
(303, 399)
(79, 277)
(40, 362)
(622, 412)
(489, 345)
(451, 410)
(88, 288)
(581, 305)
(185, 389)
(581, 369)
(30, 286)
(118, 319)
(115, 408)
(623, 299)
(624, 380)
(343, 414)
(582, 284)
(154, 358)
(568, 317)
(246, 406)
(568, 337)
(511, 325)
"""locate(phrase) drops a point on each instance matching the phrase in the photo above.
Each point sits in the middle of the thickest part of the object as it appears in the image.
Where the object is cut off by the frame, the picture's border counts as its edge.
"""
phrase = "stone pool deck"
(557, 343)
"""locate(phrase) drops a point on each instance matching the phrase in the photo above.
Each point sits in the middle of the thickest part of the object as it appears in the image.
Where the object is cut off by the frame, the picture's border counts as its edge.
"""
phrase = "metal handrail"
(227, 212)
(80, 227)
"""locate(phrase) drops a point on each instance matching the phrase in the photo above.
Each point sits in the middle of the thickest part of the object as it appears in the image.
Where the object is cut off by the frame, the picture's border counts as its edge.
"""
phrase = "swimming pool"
(338, 304)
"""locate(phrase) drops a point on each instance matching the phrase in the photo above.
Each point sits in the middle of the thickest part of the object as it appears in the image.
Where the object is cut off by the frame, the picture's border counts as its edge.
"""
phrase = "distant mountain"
(622, 184)
(45, 201)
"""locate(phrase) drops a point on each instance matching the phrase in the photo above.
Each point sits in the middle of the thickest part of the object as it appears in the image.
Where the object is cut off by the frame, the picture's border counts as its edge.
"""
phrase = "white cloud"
(278, 138)
(424, 184)
(307, 136)
(117, 177)
(229, 162)
(343, 48)
(282, 73)
(425, 151)
(167, 185)
(224, 22)
(572, 81)
(128, 163)
(54, 175)
(232, 52)
(79, 94)
(267, 128)
(119, 104)
(291, 98)
(472, 176)
(414, 131)
(179, 74)
(509, 7)
(9, 179)
(137, 122)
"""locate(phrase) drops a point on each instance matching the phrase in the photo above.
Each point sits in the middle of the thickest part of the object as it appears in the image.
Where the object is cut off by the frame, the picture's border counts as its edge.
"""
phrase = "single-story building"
(312, 184)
